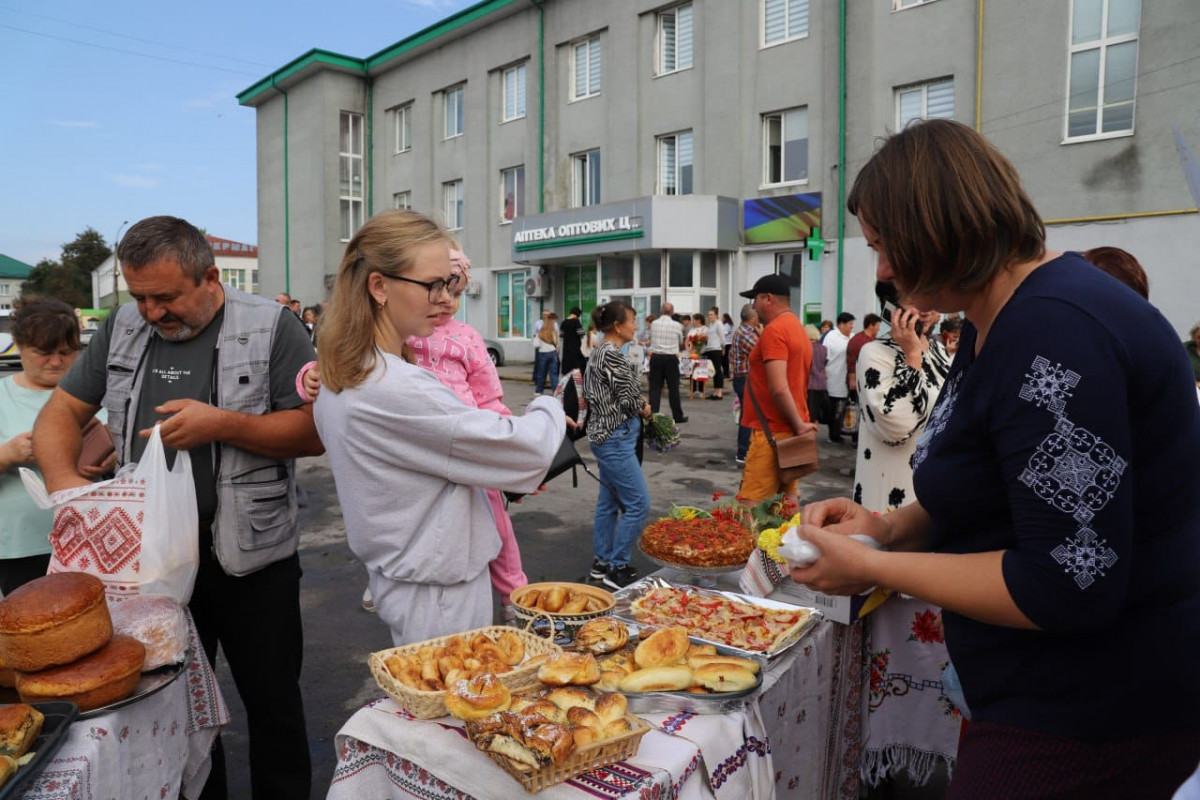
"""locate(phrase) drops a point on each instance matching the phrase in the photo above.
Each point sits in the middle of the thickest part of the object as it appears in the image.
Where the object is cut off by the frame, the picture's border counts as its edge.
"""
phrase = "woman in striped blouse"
(615, 402)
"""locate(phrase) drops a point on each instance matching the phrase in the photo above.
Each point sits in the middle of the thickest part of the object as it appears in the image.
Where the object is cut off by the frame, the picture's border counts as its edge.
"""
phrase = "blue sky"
(121, 110)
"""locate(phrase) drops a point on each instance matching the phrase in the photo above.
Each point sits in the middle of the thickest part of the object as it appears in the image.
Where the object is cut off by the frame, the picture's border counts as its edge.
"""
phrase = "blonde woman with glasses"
(410, 459)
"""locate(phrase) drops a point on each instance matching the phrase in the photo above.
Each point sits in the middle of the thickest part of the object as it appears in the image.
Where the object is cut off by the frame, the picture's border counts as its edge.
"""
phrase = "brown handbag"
(97, 444)
(795, 456)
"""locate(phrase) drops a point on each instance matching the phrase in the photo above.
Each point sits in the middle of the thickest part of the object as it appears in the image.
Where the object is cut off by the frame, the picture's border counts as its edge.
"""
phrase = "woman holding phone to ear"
(1056, 520)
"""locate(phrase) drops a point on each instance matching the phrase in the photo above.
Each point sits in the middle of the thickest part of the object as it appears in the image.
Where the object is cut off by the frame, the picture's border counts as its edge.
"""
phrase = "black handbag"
(568, 458)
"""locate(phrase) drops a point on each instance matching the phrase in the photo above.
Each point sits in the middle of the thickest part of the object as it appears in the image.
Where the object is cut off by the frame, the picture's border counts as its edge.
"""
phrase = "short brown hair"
(45, 324)
(155, 238)
(1122, 266)
(948, 207)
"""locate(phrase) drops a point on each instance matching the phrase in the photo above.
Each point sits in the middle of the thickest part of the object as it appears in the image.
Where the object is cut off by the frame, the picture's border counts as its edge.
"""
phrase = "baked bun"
(547, 709)
(566, 697)
(20, 724)
(665, 646)
(53, 620)
(611, 707)
(618, 727)
(478, 697)
(578, 669)
(512, 648)
(724, 678)
(8, 768)
(602, 635)
(554, 599)
(610, 680)
(695, 662)
(657, 679)
(701, 649)
(106, 676)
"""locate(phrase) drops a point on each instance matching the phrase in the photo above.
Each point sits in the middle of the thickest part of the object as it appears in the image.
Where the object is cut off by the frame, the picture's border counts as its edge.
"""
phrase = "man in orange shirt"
(778, 381)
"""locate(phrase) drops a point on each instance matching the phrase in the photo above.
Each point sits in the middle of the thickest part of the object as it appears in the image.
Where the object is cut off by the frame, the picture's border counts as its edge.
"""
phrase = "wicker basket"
(570, 622)
(428, 705)
(584, 759)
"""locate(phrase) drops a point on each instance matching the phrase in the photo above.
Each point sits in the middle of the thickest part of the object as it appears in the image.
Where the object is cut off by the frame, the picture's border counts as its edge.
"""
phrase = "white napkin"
(799, 553)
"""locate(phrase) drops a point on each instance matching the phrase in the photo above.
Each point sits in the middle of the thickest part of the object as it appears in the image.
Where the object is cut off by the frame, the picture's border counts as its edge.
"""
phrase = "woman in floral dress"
(911, 729)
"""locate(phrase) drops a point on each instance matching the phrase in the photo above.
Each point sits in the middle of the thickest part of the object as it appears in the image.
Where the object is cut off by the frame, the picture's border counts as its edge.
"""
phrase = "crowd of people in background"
(1029, 491)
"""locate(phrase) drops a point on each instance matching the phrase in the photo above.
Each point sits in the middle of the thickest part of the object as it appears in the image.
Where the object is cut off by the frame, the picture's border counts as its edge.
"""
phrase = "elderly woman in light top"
(410, 459)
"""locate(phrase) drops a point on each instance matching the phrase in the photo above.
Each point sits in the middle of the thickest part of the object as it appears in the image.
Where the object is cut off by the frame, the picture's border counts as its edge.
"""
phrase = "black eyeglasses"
(435, 288)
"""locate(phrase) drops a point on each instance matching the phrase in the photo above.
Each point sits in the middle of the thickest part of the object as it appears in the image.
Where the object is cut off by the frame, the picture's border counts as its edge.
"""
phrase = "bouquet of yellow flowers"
(769, 539)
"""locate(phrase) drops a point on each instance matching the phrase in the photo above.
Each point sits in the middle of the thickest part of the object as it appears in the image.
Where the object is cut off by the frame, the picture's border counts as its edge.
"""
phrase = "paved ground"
(554, 531)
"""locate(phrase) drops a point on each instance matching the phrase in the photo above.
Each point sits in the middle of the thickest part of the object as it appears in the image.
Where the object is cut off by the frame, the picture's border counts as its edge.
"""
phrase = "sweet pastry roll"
(567, 697)
(478, 697)
(512, 648)
(564, 669)
(602, 635)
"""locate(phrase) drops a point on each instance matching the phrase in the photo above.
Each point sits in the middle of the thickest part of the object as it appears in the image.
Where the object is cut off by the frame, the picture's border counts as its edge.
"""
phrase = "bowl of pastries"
(567, 604)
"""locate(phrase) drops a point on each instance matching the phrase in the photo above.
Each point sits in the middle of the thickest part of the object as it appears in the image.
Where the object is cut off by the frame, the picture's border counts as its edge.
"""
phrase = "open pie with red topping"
(720, 619)
(698, 542)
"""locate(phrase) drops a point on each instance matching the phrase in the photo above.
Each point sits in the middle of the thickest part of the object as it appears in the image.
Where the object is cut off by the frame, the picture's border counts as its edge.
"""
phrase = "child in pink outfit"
(455, 352)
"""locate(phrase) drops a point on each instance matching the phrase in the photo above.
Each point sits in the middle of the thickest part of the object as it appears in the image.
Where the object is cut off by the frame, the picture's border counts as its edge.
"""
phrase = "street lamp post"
(116, 265)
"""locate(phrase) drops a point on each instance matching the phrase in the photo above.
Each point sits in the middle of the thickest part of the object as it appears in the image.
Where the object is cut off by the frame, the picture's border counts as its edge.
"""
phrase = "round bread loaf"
(665, 646)
(53, 620)
(657, 679)
(478, 697)
(724, 677)
(106, 676)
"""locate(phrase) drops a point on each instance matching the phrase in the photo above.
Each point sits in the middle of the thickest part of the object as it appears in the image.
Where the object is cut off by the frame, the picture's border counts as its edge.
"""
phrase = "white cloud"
(75, 123)
(135, 181)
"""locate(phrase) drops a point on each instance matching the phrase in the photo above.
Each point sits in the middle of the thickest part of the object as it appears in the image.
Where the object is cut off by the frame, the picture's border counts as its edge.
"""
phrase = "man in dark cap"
(776, 387)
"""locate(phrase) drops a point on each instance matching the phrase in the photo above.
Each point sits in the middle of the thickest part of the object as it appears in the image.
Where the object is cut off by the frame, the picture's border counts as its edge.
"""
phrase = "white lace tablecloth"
(790, 741)
(157, 747)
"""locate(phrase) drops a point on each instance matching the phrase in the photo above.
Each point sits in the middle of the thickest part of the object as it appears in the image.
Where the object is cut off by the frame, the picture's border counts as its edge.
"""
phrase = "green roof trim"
(313, 56)
(317, 56)
(450, 23)
(11, 268)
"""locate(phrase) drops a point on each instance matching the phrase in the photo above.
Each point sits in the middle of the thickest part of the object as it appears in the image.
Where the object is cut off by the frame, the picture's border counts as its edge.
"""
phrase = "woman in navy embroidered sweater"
(1056, 520)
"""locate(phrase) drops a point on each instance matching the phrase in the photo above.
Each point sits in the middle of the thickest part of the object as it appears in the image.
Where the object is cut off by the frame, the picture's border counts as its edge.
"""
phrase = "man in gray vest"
(217, 368)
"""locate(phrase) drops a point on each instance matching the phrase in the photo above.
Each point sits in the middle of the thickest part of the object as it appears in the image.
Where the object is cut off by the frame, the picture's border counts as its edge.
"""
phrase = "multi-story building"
(652, 151)
(237, 261)
(12, 274)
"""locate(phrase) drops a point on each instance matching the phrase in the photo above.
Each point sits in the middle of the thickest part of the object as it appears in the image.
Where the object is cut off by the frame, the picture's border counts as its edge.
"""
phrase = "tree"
(71, 279)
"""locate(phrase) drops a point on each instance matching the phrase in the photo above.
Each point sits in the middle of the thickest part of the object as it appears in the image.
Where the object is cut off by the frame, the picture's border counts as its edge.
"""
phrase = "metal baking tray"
(59, 716)
(625, 597)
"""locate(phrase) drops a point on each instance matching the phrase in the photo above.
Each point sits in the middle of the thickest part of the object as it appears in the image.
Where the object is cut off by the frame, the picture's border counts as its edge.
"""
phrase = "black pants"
(664, 368)
(16, 572)
(717, 358)
(837, 410)
(256, 620)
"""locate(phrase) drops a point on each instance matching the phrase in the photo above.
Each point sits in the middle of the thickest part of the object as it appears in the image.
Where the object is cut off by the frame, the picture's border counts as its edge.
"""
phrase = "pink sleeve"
(300, 381)
(482, 377)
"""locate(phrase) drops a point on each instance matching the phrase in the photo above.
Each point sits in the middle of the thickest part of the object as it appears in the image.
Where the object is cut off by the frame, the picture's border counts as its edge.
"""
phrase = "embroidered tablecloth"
(157, 747)
(796, 739)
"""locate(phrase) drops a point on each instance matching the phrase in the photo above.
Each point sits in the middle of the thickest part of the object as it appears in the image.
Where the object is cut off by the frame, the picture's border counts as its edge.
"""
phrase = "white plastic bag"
(137, 532)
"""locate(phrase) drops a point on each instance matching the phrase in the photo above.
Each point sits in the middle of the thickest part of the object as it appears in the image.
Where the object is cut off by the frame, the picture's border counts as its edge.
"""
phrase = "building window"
(254, 281)
(900, 4)
(453, 107)
(512, 193)
(5, 288)
(402, 200)
(230, 277)
(350, 168)
(675, 163)
(1103, 71)
(514, 92)
(403, 122)
(784, 20)
(675, 39)
(785, 146)
(933, 100)
(586, 179)
(452, 194)
(585, 69)
(512, 318)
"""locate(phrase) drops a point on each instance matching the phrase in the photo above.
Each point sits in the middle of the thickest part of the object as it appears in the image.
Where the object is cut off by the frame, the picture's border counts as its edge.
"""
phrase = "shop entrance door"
(580, 288)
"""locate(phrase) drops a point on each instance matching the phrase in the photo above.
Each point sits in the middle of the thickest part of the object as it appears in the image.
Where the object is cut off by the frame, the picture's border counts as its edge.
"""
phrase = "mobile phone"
(888, 307)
